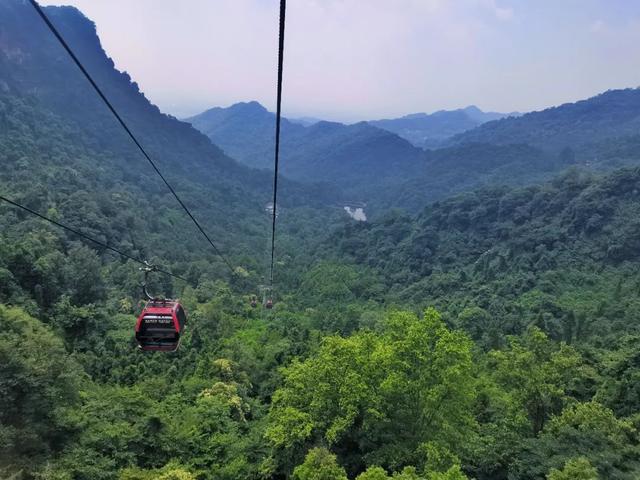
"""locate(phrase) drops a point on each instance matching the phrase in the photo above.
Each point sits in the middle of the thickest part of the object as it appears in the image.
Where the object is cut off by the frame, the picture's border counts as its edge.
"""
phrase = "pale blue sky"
(363, 59)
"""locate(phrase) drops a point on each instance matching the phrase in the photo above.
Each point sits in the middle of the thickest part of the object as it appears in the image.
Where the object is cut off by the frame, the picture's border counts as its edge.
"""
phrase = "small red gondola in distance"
(160, 325)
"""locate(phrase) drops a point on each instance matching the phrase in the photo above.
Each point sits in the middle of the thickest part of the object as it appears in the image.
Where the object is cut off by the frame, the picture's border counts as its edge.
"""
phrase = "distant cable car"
(269, 304)
(161, 322)
(254, 302)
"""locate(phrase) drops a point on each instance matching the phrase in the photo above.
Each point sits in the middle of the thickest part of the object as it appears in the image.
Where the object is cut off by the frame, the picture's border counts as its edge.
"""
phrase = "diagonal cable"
(87, 237)
(125, 127)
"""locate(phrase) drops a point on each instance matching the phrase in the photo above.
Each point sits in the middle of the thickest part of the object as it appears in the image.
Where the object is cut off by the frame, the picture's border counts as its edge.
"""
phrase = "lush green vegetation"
(492, 336)
(527, 371)
(612, 114)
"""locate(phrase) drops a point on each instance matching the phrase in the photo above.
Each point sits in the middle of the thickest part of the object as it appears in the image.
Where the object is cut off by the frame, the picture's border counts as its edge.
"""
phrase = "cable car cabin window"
(160, 326)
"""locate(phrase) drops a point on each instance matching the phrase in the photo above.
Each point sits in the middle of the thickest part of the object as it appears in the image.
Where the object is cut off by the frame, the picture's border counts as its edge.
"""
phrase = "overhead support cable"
(283, 7)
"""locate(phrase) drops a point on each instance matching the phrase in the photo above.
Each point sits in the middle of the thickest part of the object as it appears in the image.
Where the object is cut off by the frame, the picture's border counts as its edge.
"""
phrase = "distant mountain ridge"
(374, 165)
(245, 131)
(226, 127)
(431, 130)
(353, 157)
(612, 114)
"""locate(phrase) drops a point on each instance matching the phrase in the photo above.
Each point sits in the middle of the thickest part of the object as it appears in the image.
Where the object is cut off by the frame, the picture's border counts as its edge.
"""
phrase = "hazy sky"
(363, 59)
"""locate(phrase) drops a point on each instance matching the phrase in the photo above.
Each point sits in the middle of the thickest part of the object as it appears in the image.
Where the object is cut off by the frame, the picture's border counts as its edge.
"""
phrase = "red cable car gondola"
(269, 304)
(161, 323)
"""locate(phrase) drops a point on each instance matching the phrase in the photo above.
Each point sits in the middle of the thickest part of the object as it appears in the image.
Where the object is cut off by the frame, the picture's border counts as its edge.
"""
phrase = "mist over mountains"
(431, 130)
(240, 127)
(379, 162)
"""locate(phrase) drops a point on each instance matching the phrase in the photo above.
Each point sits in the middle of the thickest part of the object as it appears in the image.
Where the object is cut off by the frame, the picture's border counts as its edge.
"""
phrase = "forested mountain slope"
(597, 134)
(384, 171)
(245, 131)
(353, 157)
(431, 130)
(466, 167)
(33, 63)
(544, 255)
(57, 132)
(368, 163)
(612, 114)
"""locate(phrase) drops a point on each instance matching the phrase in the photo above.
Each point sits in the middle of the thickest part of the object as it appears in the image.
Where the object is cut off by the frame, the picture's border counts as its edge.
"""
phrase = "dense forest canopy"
(488, 331)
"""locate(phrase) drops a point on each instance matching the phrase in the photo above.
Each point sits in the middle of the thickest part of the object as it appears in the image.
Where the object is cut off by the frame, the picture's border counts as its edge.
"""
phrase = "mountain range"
(348, 156)
(322, 163)
(81, 147)
(612, 114)
(431, 130)
(379, 167)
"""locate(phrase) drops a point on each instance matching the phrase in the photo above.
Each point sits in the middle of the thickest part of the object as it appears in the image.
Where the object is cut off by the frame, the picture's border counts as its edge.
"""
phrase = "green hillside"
(246, 131)
(381, 169)
(357, 159)
(612, 114)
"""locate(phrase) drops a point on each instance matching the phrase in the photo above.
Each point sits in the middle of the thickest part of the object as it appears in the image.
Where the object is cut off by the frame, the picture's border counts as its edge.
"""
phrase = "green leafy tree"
(373, 473)
(476, 321)
(177, 474)
(583, 430)
(409, 385)
(575, 469)
(537, 373)
(453, 473)
(39, 386)
(620, 388)
(171, 471)
(319, 464)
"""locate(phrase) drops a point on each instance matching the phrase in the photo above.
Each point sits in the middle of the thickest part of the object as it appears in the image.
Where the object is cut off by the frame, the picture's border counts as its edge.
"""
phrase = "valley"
(385, 171)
